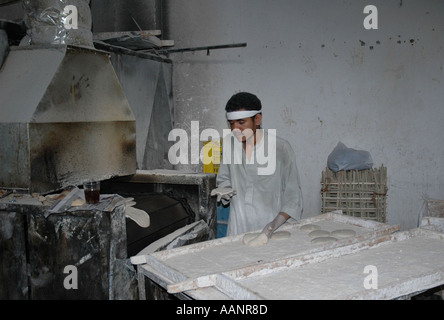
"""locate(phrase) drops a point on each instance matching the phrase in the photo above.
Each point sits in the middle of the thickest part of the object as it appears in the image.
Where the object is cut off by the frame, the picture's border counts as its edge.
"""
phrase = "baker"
(259, 200)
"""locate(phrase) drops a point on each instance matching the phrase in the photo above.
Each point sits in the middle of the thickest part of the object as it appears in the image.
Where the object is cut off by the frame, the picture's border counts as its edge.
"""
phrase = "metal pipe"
(207, 48)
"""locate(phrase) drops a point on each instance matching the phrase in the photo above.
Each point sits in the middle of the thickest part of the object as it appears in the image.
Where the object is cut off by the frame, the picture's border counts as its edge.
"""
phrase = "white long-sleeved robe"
(260, 197)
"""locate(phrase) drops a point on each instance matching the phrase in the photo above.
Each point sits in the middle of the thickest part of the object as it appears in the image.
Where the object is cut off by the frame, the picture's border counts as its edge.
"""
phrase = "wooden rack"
(360, 193)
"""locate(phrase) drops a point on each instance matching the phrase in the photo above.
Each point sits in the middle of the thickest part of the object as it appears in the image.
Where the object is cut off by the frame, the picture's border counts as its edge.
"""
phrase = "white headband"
(236, 115)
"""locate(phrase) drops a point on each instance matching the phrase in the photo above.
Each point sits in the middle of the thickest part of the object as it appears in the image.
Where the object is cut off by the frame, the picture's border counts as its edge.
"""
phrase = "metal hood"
(64, 118)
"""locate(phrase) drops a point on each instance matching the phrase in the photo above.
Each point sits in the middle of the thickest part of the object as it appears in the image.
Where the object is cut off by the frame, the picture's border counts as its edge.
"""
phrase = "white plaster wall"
(323, 78)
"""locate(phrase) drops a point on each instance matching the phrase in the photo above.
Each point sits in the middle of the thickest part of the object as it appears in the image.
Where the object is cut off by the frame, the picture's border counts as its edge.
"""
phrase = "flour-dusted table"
(377, 263)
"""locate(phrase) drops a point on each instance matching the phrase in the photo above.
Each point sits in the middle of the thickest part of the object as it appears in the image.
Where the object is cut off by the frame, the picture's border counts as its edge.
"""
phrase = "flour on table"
(279, 235)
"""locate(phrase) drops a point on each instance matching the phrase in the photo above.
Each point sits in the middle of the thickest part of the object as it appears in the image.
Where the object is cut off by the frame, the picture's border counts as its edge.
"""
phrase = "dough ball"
(343, 233)
(280, 235)
(323, 240)
(310, 227)
(318, 233)
(248, 237)
(256, 241)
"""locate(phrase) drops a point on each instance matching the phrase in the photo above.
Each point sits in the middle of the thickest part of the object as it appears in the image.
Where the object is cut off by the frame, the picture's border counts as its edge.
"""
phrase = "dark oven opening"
(170, 205)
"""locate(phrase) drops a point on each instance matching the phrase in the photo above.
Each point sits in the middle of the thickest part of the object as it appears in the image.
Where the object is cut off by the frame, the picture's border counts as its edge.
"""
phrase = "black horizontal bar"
(207, 48)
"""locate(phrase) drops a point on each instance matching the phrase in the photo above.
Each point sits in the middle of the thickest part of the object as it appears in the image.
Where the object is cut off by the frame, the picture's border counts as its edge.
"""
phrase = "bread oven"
(65, 118)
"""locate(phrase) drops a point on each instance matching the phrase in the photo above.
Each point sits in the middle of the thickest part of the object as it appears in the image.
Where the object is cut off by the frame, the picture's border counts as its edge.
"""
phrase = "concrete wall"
(323, 78)
(126, 15)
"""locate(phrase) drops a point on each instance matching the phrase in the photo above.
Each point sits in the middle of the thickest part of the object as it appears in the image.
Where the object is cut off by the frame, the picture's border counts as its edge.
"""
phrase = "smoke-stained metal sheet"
(64, 118)
(147, 85)
(63, 154)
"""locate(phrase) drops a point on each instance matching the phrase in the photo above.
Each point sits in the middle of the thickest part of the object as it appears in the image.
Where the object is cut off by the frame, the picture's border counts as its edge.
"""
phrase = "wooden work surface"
(199, 269)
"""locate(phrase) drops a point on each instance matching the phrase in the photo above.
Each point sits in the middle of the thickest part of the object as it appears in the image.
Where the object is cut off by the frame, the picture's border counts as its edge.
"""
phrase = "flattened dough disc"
(318, 233)
(343, 233)
(310, 227)
(323, 240)
(280, 235)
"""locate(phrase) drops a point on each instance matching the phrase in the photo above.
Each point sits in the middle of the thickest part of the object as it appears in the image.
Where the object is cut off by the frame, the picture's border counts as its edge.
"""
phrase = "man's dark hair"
(243, 100)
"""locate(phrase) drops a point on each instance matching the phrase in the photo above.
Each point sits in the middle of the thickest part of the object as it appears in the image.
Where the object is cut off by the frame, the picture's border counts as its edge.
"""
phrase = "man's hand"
(280, 219)
(224, 193)
(259, 239)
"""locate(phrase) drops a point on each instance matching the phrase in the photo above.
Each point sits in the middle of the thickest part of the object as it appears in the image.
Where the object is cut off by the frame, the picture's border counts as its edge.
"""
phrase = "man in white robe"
(262, 194)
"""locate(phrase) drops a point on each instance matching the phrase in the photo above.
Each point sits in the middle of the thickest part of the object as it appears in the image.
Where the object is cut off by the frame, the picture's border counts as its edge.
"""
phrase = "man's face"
(244, 129)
